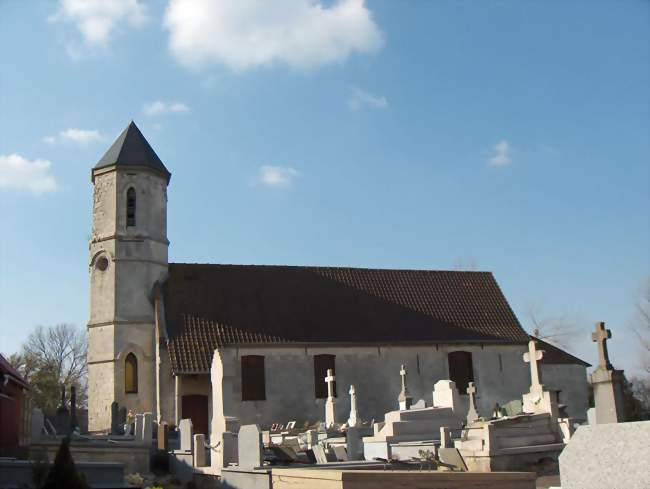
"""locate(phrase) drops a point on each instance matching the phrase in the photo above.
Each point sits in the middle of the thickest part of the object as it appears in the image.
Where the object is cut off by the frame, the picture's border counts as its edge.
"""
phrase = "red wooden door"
(195, 407)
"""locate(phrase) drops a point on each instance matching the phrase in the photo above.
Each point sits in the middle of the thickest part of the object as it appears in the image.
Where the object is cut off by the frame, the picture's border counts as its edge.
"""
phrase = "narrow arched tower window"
(130, 207)
(131, 374)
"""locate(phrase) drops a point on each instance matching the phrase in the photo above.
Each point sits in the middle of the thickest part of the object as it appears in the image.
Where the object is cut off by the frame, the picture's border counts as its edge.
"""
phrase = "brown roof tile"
(207, 306)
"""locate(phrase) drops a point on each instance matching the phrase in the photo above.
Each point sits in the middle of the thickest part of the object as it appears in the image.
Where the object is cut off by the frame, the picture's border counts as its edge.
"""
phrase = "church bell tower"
(128, 257)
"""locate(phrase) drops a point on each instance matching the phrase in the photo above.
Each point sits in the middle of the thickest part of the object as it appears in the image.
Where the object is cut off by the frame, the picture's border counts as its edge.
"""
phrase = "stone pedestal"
(199, 450)
(608, 395)
(541, 401)
(330, 412)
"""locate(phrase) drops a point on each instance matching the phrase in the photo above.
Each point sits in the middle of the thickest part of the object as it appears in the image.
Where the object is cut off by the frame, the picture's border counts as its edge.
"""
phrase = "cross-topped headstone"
(600, 336)
(532, 356)
(472, 415)
(352, 420)
(330, 382)
(330, 411)
(404, 398)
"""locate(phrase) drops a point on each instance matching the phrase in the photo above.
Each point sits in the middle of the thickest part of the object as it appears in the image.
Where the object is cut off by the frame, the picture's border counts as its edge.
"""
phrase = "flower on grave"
(135, 479)
(130, 417)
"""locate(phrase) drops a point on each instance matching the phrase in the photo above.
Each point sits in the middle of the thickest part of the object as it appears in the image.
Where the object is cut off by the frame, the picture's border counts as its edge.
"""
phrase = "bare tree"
(641, 324)
(560, 330)
(50, 357)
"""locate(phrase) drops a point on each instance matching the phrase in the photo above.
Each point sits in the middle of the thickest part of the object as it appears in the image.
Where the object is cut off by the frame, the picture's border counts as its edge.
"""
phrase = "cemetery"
(435, 443)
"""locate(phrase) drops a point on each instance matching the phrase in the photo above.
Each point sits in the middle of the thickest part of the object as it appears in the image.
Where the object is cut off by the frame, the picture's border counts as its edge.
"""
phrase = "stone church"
(268, 334)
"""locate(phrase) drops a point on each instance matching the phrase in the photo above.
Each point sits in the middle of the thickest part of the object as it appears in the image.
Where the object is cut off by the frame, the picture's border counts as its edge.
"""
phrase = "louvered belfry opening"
(253, 384)
(130, 207)
(321, 364)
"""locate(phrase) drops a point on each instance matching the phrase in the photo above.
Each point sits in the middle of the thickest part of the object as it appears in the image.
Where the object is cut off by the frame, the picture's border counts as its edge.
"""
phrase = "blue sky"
(509, 136)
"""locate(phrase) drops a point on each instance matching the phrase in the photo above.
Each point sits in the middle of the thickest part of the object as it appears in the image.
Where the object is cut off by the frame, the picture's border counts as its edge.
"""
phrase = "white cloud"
(96, 19)
(159, 107)
(360, 99)
(501, 155)
(76, 136)
(243, 34)
(22, 174)
(277, 176)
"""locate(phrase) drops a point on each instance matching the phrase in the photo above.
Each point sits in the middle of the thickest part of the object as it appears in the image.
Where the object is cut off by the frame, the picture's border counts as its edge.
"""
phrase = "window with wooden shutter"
(461, 370)
(321, 364)
(253, 386)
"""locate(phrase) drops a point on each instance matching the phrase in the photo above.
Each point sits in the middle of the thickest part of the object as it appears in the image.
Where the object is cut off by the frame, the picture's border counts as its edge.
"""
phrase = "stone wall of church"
(571, 382)
(499, 372)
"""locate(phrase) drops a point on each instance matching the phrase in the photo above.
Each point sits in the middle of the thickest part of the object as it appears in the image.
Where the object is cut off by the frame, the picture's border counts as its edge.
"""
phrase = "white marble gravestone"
(330, 404)
(607, 382)
(186, 433)
(352, 420)
(445, 395)
(250, 447)
(199, 450)
(472, 415)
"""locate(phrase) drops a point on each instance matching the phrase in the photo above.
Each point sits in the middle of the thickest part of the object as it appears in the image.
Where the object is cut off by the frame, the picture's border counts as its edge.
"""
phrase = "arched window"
(131, 374)
(130, 207)
(461, 369)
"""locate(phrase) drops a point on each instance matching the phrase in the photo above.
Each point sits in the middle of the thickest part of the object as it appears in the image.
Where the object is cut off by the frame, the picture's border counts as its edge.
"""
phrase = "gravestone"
(199, 450)
(352, 420)
(451, 456)
(116, 427)
(445, 394)
(139, 427)
(472, 415)
(250, 446)
(330, 404)
(312, 438)
(147, 428)
(62, 417)
(538, 400)
(186, 430)
(404, 399)
(163, 436)
(354, 444)
(607, 382)
(319, 453)
(340, 453)
(122, 421)
(74, 422)
(445, 437)
(38, 423)
(607, 456)
(421, 404)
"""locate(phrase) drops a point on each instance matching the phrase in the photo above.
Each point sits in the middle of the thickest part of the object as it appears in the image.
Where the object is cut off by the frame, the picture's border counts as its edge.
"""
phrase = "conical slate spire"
(132, 149)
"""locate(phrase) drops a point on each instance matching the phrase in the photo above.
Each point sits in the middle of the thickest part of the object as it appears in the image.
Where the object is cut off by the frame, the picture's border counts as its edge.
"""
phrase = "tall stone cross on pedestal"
(330, 413)
(404, 398)
(532, 356)
(352, 420)
(600, 336)
(472, 415)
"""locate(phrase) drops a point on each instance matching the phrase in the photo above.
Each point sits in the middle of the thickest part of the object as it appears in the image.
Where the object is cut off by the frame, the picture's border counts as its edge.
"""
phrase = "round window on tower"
(102, 263)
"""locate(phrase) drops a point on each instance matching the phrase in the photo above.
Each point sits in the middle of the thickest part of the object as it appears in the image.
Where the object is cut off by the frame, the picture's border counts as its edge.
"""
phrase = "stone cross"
(404, 398)
(352, 420)
(330, 382)
(600, 336)
(330, 412)
(472, 415)
(532, 356)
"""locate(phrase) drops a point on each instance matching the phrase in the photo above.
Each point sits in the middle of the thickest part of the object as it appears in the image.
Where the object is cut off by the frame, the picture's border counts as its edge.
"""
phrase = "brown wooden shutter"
(321, 364)
(253, 385)
(461, 370)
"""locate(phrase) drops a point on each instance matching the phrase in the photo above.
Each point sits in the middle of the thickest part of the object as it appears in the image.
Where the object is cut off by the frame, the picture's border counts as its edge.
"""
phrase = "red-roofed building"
(14, 409)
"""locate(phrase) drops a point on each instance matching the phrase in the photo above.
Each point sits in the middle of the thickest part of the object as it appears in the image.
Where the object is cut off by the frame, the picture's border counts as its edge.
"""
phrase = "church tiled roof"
(207, 306)
(554, 355)
(131, 149)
